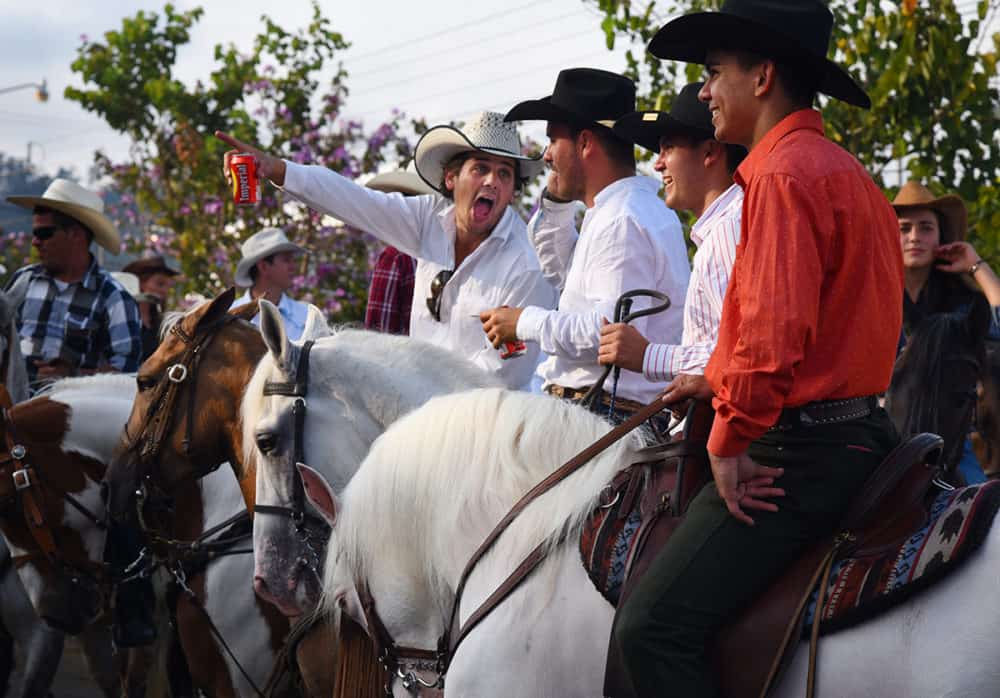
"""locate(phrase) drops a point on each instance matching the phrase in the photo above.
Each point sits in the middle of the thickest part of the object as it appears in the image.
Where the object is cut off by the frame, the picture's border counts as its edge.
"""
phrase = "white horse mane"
(119, 383)
(358, 363)
(169, 319)
(445, 474)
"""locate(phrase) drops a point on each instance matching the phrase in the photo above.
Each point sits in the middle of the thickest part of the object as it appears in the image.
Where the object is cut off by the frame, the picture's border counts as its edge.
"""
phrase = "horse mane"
(113, 382)
(441, 477)
(350, 360)
(169, 319)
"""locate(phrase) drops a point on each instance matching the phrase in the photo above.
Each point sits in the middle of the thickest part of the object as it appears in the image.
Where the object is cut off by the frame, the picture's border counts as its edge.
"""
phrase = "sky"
(440, 59)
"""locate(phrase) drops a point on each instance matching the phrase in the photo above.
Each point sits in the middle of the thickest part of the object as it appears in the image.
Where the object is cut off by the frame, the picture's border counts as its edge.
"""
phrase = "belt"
(826, 412)
(576, 394)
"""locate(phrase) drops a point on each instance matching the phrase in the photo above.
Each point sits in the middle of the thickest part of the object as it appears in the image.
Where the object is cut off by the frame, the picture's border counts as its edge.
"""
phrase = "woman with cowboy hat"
(471, 247)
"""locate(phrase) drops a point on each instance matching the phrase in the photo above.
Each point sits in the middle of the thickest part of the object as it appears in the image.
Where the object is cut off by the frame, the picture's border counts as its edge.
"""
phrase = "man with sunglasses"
(73, 317)
(471, 247)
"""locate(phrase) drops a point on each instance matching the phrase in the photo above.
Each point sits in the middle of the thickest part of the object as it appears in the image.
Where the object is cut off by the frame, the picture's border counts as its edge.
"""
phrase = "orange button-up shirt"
(812, 311)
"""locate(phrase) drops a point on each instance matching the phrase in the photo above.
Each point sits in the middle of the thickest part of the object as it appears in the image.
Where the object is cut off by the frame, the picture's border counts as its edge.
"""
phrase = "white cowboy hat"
(406, 182)
(80, 204)
(486, 132)
(128, 280)
(267, 242)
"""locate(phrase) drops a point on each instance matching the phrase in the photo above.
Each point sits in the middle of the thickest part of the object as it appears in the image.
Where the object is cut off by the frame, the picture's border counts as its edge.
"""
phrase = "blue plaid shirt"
(91, 324)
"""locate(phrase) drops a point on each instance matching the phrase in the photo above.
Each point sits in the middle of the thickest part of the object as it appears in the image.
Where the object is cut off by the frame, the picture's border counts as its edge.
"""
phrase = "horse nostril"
(266, 443)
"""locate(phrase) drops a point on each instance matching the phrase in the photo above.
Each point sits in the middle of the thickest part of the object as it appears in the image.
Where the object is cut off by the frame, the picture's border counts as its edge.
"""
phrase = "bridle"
(29, 481)
(402, 662)
(298, 513)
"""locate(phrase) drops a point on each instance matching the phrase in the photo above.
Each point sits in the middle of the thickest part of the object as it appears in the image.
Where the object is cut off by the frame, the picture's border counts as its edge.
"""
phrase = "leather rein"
(403, 662)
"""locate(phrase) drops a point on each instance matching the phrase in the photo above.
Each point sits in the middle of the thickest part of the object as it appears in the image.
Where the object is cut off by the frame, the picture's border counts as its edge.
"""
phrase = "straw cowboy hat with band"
(688, 116)
(406, 182)
(583, 97)
(954, 217)
(794, 32)
(80, 204)
(485, 133)
(258, 246)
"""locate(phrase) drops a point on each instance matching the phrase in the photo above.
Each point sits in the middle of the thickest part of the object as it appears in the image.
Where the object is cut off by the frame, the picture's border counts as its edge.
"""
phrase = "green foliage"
(932, 80)
(172, 183)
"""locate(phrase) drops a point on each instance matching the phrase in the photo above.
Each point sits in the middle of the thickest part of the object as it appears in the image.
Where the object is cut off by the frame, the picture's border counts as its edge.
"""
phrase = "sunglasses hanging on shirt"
(437, 288)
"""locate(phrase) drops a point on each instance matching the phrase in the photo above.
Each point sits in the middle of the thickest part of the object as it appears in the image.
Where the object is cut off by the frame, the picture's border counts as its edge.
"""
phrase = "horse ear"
(979, 319)
(319, 493)
(217, 308)
(247, 311)
(272, 329)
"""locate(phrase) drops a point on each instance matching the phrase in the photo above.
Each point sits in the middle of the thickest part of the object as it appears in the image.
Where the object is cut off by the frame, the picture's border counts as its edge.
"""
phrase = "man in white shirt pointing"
(471, 248)
(629, 240)
(697, 174)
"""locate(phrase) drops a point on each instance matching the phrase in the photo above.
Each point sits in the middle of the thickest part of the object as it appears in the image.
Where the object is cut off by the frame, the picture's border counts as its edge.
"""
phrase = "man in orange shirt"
(806, 341)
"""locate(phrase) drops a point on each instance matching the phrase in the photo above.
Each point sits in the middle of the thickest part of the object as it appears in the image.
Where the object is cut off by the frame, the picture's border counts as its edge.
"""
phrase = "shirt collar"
(701, 228)
(804, 119)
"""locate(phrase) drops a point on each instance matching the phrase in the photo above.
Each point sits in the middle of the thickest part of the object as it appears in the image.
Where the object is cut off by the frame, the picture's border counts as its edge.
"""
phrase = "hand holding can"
(243, 175)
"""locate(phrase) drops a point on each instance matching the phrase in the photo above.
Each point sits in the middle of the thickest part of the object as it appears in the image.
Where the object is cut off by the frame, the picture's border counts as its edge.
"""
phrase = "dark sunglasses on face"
(437, 287)
(44, 232)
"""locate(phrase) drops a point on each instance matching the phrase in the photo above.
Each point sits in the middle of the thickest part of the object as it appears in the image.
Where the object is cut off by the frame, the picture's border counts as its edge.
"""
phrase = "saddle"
(751, 653)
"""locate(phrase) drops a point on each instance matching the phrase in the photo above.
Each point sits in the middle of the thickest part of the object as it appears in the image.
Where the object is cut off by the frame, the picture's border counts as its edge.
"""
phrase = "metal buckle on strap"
(22, 479)
(177, 373)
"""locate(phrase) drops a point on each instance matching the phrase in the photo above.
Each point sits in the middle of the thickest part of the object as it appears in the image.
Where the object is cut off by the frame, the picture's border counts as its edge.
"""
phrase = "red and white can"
(511, 349)
(246, 186)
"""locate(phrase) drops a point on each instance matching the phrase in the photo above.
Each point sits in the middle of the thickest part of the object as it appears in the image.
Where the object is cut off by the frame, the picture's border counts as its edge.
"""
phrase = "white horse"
(436, 483)
(359, 382)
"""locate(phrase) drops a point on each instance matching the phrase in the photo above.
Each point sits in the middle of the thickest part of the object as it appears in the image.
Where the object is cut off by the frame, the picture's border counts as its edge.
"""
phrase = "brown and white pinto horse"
(53, 451)
(184, 424)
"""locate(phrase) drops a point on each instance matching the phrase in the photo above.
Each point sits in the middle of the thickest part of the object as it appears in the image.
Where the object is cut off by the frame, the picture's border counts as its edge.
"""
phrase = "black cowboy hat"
(154, 264)
(688, 116)
(793, 31)
(584, 97)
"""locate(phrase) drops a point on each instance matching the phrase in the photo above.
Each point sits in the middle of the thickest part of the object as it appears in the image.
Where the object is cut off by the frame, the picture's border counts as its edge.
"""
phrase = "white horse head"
(71, 429)
(359, 382)
(435, 484)
(15, 378)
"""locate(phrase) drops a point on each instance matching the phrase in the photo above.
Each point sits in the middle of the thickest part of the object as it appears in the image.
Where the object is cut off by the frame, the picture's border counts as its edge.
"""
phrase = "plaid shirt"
(391, 293)
(91, 324)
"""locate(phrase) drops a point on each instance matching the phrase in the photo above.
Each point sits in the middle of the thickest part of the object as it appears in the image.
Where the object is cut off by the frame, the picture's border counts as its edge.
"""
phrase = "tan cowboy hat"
(914, 195)
(80, 204)
(128, 281)
(486, 132)
(267, 242)
(406, 182)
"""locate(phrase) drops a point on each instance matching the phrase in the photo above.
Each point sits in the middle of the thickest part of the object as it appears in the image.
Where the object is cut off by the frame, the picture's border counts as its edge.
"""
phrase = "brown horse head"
(56, 549)
(185, 420)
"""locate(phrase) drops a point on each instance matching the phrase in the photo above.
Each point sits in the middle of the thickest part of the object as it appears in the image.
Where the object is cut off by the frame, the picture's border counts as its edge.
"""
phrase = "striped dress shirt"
(716, 235)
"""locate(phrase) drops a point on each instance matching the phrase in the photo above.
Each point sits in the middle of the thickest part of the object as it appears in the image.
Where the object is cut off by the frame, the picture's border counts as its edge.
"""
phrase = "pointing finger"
(236, 143)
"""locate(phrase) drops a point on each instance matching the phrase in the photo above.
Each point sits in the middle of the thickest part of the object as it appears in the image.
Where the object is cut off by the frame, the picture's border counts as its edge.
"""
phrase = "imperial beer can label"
(246, 187)
(511, 349)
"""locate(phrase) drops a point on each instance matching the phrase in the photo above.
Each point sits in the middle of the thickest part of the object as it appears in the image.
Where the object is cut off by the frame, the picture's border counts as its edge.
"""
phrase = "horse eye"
(145, 382)
(266, 442)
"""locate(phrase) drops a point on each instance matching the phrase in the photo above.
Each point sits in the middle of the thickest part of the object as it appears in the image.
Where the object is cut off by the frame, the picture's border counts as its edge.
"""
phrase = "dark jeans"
(713, 565)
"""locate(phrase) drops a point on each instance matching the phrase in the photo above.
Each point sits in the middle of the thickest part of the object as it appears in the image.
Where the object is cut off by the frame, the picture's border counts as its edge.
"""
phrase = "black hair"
(253, 273)
(619, 151)
(454, 165)
(799, 84)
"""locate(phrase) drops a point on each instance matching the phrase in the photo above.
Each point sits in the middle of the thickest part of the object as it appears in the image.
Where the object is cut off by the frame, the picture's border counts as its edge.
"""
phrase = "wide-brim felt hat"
(258, 246)
(914, 195)
(80, 204)
(487, 132)
(406, 182)
(796, 32)
(583, 97)
(688, 116)
(155, 264)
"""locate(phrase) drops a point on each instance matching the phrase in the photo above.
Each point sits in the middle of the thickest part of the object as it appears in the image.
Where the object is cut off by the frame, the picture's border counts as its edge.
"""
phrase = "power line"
(450, 30)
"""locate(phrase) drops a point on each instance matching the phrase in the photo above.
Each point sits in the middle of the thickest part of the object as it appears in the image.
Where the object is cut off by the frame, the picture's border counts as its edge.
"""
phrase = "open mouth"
(482, 207)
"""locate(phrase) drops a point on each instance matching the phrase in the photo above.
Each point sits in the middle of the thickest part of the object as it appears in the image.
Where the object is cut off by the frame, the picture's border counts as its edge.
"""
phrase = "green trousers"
(713, 566)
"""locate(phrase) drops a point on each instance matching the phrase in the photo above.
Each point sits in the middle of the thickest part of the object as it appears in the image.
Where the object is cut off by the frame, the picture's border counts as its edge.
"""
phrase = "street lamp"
(41, 89)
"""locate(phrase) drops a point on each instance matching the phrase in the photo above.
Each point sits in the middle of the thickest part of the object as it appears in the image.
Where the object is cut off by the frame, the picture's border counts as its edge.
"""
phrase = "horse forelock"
(441, 477)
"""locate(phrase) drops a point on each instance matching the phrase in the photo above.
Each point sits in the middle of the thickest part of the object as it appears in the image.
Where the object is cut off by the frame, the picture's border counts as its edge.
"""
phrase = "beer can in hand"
(246, 187)
(511, 349)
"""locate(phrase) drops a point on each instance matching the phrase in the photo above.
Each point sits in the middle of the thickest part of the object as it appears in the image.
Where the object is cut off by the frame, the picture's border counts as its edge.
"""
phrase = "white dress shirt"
(502, 270)
(716, 234)
(301, 320)
(629, 240)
